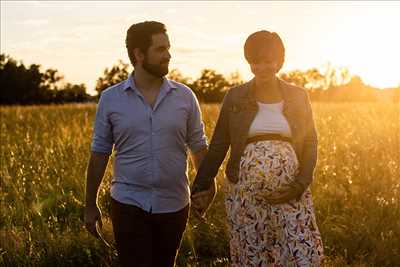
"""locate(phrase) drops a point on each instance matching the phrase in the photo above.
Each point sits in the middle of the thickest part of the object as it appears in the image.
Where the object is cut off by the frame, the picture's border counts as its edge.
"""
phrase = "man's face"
(265, 66)
(156, 60)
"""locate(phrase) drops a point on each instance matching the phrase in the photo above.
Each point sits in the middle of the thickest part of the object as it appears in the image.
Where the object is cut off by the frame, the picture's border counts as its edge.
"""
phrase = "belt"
(264, 137)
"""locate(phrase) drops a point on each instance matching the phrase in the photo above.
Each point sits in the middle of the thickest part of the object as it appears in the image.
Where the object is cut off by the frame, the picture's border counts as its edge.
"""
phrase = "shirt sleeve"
(102, 141)
(196, 138)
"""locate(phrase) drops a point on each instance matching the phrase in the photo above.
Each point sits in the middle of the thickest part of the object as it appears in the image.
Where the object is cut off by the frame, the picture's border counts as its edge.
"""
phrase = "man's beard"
(157, 70)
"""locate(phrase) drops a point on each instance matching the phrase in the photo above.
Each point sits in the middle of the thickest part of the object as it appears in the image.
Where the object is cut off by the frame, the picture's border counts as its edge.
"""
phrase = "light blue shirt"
(150, 144)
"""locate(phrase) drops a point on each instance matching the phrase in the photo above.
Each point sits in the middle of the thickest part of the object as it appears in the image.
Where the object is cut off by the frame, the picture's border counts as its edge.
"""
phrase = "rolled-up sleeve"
(196, 138)
(102, 141)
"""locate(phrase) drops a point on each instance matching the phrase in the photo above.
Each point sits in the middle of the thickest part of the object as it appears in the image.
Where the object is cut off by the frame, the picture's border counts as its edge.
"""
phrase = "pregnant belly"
(267, 167)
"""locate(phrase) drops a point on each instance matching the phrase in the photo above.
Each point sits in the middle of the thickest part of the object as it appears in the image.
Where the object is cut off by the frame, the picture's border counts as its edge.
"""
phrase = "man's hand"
(92, 216)
(97, 166)
(202, 200)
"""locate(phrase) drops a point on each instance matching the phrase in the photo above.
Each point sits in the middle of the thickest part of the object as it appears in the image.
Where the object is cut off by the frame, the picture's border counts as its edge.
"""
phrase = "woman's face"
(265, 66)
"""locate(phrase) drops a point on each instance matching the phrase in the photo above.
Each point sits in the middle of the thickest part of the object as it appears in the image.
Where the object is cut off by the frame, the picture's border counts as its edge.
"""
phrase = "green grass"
(44, 154)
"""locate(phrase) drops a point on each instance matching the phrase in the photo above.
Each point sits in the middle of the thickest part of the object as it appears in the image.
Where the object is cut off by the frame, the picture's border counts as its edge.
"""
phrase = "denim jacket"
(238, 110)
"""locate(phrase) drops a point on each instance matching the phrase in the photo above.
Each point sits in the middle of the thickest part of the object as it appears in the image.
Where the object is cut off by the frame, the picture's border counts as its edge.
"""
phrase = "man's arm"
(198, 157)
(204, 186)
(95, 172)
(202, 200)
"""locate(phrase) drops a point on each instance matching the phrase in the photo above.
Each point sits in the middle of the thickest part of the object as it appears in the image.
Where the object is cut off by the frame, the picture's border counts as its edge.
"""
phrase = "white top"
(270, 119)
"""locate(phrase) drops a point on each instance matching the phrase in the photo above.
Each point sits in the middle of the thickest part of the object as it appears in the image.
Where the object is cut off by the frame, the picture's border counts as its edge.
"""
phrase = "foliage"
(29, 85)
(177, 76)
(111, 76)
(314, 79)
(329, 85)
(210, 86)
(44, 152)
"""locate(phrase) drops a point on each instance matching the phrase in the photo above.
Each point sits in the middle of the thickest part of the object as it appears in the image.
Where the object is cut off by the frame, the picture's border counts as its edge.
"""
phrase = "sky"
(82, 38)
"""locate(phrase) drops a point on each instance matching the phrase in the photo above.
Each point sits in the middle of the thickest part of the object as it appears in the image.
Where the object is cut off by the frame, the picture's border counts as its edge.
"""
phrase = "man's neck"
(147, 81)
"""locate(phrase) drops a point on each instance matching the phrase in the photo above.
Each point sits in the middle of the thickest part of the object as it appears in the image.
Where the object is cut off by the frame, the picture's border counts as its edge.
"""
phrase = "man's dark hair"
(140, 36)
(264, 39)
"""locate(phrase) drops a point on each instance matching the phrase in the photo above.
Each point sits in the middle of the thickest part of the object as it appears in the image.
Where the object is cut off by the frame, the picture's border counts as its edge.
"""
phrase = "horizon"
(342, 34)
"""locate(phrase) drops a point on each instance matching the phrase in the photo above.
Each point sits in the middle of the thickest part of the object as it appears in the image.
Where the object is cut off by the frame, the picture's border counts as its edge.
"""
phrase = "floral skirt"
(262, 234)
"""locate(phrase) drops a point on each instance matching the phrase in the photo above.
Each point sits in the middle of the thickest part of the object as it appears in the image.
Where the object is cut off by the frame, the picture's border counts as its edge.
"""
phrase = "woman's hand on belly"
(294, 191)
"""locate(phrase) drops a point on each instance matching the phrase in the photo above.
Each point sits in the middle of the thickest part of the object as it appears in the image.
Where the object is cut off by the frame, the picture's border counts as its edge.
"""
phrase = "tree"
(29, 85)
(114, 75)
(354, 90)
(71, 93)
(235, 79)
(51, 79)
(176, 75)
(18, 83)
(210, 86)
(295, 77)
(335, 76)
(313, 79)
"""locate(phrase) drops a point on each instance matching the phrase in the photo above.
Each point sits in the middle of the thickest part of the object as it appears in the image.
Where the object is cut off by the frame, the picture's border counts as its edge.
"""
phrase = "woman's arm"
(307, 162)
(309, 155)
(217, 150)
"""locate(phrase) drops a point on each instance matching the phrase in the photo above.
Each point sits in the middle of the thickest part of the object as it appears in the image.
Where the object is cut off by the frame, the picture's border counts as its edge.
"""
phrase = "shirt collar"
(129, 83)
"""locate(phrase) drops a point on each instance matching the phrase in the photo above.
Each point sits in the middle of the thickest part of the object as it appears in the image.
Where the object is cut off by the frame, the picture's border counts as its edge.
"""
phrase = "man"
(150, 121)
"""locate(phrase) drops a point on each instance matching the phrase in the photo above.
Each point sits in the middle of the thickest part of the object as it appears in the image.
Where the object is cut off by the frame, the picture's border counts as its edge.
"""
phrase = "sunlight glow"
(360, 36)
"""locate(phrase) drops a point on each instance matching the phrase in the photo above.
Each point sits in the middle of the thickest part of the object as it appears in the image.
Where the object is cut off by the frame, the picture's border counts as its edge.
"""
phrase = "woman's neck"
(268, 92)
(267, 85)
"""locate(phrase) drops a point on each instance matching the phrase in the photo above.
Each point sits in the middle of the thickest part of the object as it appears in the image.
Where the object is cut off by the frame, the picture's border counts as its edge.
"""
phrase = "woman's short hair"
(140, 36)
(264, 39)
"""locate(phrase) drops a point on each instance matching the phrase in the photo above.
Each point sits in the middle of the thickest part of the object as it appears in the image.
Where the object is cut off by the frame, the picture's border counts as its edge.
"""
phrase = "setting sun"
(365, 40)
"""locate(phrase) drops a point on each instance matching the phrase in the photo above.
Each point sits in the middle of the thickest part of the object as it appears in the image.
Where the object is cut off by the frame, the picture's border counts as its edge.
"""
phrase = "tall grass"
(44, 154)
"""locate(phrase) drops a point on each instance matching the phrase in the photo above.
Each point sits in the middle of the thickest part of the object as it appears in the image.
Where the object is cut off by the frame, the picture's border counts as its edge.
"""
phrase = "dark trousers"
(146, 239)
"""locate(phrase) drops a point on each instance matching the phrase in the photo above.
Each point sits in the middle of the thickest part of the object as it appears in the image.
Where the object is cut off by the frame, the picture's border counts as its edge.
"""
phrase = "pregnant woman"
(269, 126)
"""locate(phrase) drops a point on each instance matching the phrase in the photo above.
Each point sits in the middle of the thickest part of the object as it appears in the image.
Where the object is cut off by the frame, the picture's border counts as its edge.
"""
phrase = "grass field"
(44, 153)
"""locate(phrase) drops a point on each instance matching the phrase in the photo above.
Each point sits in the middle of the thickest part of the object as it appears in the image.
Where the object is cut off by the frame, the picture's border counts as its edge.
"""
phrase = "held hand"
(198, 214)
(93, 216)
(202, 200)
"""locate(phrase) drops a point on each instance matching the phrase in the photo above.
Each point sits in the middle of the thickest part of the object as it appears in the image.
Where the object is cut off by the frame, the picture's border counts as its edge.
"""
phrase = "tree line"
(30, 85)
(26, 85)
(332, 85)
(211, 86)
